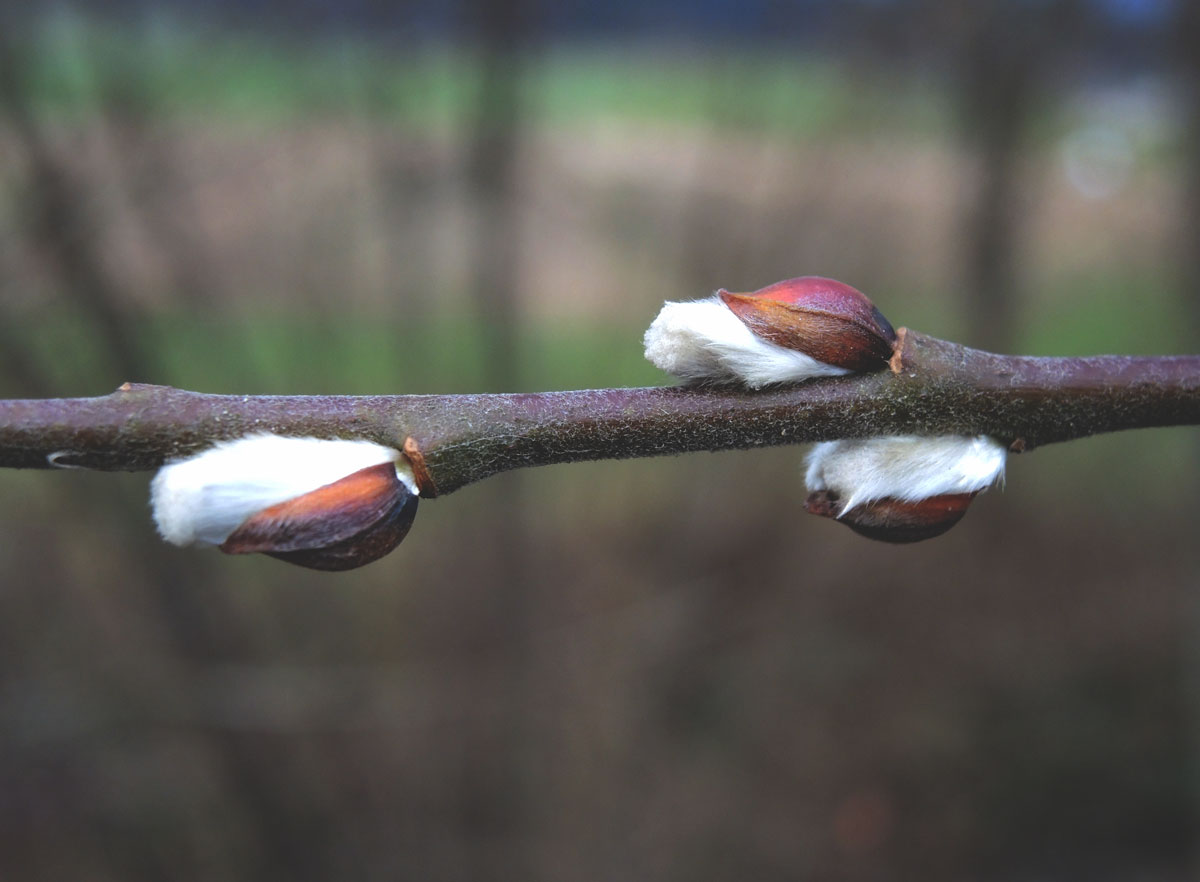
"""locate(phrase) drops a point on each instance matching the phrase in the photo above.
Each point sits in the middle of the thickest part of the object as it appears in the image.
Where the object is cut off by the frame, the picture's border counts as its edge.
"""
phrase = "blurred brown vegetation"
(645, 670)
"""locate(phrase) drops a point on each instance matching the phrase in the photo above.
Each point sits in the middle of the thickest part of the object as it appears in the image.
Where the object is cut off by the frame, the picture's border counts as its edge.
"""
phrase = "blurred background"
(651, 670)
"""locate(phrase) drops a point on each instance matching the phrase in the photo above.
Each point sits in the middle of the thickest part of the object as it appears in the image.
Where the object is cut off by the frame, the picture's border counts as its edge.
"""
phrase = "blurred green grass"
(1101, 311)
(293, 354)
(384, 354)
(180, 68)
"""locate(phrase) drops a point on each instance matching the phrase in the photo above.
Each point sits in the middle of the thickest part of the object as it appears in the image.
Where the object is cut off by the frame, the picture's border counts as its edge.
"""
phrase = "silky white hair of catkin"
(704, 341)
(904, 467)
(205, 497)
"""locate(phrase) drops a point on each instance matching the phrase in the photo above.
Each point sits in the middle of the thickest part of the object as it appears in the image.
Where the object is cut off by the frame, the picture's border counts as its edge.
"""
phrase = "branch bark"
(934, 387)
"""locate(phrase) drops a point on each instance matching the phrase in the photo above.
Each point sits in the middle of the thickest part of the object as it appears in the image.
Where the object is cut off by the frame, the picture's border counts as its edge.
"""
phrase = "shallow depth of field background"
(647, 670)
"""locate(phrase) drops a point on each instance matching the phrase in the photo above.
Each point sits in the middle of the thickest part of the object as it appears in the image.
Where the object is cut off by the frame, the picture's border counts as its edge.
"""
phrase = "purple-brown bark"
(935, 387)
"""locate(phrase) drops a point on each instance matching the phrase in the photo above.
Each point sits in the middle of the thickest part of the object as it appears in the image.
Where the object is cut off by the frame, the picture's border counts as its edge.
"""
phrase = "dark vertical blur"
(57, 221)
(1185, 59)
(642, 670)
(1000, 63)
(501, 31)
(494, 804)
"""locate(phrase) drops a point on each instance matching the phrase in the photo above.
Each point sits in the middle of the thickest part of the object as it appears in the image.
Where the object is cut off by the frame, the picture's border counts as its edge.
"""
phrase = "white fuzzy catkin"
(204, 498)
(704, 341)
(905, 467)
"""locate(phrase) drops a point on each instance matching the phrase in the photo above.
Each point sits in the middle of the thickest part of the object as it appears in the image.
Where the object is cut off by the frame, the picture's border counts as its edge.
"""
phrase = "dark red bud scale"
(894, 520)
(823, 318)
(339, 526)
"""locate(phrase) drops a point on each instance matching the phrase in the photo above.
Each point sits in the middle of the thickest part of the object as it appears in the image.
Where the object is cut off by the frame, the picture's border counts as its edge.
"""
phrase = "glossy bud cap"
(894, 520)
(339, 526)
(327, 504)
(901, 488)
(823, 318)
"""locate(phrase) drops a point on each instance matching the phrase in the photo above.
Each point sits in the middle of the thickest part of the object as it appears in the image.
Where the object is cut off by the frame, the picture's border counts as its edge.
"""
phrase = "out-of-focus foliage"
(647, 670)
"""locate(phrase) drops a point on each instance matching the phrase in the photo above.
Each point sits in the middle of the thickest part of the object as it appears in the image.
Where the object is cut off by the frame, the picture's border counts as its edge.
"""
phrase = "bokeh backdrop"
(650, 670)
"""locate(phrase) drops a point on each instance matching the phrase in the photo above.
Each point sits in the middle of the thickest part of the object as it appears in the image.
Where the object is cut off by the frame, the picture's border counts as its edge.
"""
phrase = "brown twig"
(934, 387)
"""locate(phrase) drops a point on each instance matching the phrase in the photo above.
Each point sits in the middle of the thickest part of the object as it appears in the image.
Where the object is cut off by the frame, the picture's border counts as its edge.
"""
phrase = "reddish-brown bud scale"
(339, 526)
(823, 318)
(894, 520)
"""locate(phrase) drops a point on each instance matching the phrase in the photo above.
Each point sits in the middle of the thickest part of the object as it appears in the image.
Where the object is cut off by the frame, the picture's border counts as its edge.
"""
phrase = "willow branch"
(934, 387)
